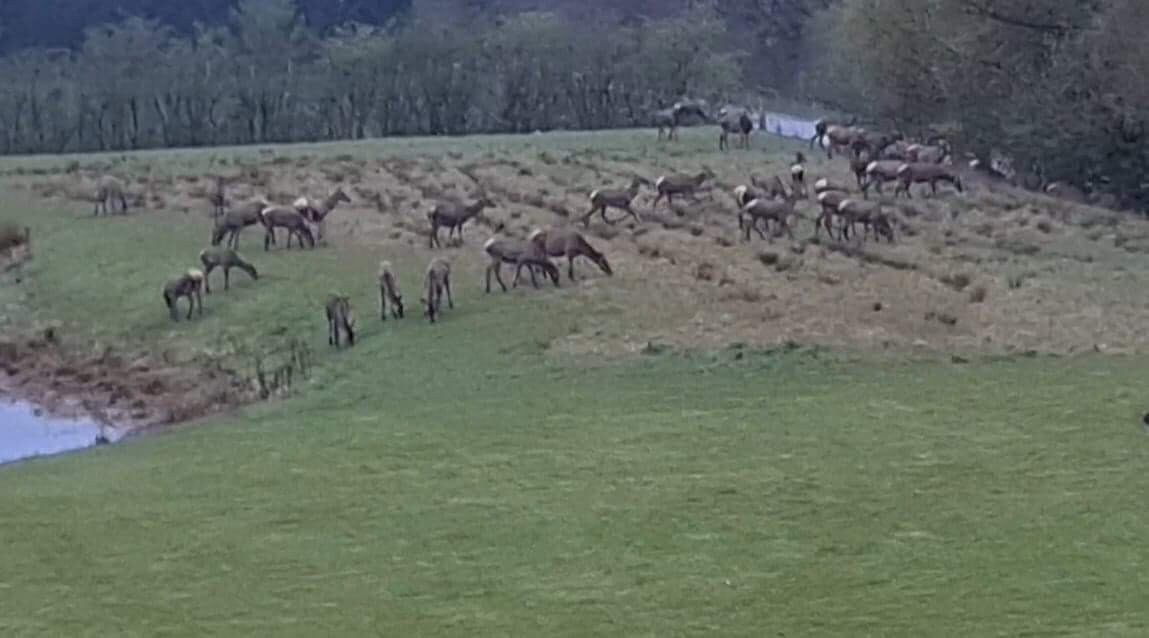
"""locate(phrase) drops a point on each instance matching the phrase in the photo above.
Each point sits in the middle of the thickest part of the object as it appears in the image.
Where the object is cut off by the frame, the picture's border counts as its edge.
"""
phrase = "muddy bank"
(133, 391)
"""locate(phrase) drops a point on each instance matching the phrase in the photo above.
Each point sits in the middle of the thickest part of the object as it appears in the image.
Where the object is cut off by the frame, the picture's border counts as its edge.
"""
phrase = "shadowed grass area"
(458, 480)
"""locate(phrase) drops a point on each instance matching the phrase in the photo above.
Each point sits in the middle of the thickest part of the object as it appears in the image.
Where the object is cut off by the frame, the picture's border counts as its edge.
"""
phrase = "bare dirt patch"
(129, 390)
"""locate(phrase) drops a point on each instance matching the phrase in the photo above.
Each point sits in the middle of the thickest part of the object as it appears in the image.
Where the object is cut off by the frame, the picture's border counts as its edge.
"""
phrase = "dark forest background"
(1061, 87)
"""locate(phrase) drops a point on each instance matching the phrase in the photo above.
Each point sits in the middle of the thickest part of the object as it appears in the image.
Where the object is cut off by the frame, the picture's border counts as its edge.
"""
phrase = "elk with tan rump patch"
(189, 285)
(389, 292)
(604, 198)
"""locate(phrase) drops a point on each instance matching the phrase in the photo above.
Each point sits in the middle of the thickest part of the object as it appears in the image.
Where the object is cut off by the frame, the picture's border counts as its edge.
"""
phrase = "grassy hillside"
(477, 478)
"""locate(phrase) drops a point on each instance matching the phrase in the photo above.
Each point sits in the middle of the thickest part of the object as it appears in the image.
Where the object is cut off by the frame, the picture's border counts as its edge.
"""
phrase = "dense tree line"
(61, 23)
(264, 76)
(1062, 88)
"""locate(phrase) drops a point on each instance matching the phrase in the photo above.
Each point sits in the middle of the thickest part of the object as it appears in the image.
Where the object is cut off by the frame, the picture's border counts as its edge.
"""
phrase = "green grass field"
(459, 480)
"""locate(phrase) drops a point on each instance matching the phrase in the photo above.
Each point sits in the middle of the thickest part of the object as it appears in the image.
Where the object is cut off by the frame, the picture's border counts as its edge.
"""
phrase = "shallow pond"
(24, 433)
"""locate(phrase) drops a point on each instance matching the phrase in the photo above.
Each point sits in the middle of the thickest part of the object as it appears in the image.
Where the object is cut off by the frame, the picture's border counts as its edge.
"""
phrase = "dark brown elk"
(734, 121)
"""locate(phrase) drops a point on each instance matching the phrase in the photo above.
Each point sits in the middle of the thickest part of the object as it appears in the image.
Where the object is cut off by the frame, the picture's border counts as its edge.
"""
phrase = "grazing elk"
(453, 217)
(435, 283)
(189, 285)
(339, 320)
(227, 259)
(569, 243)
(389, 292)
(502, 250)
(852, 212)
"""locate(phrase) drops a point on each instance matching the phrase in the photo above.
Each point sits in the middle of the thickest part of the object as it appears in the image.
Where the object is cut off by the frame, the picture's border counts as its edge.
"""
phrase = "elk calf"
(189, 285)
(339, 320)
(389, 292)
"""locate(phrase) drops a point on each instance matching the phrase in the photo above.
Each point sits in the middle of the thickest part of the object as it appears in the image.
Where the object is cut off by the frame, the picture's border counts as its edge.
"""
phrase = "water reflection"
(24, 433)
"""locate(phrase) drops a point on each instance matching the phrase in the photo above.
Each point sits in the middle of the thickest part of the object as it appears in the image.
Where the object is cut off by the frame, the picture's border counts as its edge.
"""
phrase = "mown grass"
(458, 480)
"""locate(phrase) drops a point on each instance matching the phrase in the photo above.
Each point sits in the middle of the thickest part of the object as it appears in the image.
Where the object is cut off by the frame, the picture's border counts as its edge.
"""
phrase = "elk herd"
(767, 208)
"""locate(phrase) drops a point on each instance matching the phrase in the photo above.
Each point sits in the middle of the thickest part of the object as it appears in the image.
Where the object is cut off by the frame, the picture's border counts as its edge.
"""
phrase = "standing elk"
(287, 217)
(110, 191)
(737, 121)
(317, 212)
(453, 217)
(232, 223)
